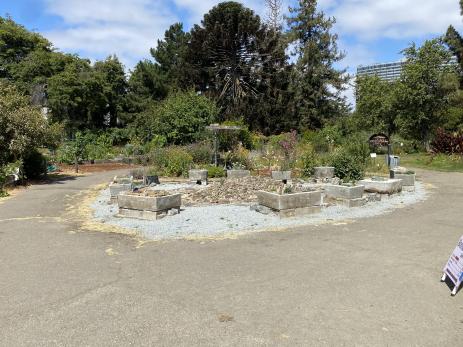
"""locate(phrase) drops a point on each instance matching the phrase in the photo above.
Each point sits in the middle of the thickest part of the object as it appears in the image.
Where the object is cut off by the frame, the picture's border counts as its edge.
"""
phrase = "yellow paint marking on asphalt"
(29, 218)
(111, 252)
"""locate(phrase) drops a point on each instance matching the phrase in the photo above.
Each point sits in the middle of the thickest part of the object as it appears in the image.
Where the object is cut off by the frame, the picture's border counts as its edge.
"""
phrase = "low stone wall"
(238, 173)
(281, 175)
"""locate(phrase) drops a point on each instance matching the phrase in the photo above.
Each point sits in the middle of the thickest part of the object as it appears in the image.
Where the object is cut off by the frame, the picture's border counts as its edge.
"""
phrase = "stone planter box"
(283, 176)
(386, 186)
(408, 180)
(147, 207)
(238, 173)
(344, 192)
(289, 205)
(324, 172)
(198, 176)
(116, 188)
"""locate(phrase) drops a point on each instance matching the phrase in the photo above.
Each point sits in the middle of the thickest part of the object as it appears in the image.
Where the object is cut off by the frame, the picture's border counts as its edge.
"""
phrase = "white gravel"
(221, 220)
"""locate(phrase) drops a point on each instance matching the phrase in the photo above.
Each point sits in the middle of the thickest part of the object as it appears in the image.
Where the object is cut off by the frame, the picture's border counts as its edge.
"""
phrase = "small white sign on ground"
(454, 267)
(373, 155)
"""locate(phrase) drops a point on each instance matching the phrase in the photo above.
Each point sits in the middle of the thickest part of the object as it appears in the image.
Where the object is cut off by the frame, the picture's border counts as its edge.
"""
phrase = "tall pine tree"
(316, 83)
(455, 42)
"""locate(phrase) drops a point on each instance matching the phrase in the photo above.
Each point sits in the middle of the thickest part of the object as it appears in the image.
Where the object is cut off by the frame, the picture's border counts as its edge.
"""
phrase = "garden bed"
(219, 220)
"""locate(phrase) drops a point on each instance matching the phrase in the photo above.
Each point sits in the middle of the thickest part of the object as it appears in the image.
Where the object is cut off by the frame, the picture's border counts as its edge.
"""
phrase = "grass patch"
(438, 162)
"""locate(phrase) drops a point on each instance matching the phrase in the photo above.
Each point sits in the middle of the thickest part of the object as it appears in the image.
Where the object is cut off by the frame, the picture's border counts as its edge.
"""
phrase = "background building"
(385, 71)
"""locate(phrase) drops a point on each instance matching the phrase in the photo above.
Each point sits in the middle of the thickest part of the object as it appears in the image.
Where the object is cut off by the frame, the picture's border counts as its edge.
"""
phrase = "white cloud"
(128, 29)
(396, 19)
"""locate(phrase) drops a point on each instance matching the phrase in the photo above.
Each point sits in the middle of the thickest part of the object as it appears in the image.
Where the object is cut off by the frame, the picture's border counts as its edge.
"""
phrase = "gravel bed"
(220, 220)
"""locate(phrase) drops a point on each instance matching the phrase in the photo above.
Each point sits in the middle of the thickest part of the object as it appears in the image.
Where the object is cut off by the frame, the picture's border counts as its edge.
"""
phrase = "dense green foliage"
(416, 104)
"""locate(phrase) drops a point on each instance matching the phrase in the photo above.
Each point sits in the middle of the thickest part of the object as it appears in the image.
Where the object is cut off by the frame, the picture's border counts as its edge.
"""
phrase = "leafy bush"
(138, 173)
(308, 160)
(238, 158)
(2, 181)
(181, 118)
(171, 161)
(65, 154)
(157, 141)
(201, 152)
(347, 165)
(98, 147)
(448, 143)
(34, 165)
(231, 139)
(324, 140)
(214, 171)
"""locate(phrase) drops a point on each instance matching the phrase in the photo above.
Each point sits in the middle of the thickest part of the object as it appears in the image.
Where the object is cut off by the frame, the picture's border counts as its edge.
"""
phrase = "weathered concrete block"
(289, 201)
(198, 176)
(407, 179)
(149, 203)
(116, 188)
(386, 186)
(324, 172)
(238, 173)
(344, 192)
(281, 175)
(298, 212)
(353, 202)
(139, 214)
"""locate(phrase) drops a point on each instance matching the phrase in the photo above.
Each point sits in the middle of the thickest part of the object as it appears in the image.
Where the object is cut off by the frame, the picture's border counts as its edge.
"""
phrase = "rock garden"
(291, 189)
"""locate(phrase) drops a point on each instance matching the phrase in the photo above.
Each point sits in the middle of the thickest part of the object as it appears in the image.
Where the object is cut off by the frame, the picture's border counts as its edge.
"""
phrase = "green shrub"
(98, 147)
(201, 152)
(229, 139)
(238, 158)
(181, 117)
(308, 160)
(348, 166)
(157, 141)
(34, 165)
(3, 175)
(171, 161)
(214, 171)
(65, 154)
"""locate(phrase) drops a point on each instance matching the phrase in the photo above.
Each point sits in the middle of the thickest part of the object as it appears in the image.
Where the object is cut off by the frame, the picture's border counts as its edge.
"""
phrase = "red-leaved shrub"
(447, 142)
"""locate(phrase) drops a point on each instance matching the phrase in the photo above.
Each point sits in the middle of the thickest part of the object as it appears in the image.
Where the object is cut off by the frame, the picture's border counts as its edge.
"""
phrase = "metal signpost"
(215, 128)
(454, 267)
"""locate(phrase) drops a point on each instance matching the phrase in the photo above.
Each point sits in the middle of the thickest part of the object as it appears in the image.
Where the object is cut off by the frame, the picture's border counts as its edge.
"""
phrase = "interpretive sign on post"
(454, 267)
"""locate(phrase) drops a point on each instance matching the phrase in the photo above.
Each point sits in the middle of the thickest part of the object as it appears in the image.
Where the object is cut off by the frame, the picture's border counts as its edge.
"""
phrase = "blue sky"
(369, 30)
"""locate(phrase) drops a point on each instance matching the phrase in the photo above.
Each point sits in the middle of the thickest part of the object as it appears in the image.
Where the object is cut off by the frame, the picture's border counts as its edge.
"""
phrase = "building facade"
(385, 71)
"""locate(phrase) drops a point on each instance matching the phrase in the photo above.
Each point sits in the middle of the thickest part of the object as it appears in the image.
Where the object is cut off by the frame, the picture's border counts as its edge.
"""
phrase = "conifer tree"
(316, 83)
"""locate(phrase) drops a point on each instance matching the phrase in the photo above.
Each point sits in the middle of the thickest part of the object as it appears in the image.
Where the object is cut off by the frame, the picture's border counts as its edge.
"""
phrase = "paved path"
(374, 282)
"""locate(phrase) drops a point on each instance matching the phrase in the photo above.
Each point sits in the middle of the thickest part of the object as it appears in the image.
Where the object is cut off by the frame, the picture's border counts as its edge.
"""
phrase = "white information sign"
(454, 267)
(373, 155)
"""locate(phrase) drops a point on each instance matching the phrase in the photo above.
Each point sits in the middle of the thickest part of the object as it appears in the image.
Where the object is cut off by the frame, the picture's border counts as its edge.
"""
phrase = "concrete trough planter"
(290, 205)
(408, 180)
(116, 188)
(238, 173)
(198, 176)
(324, 172)
(382, 186)
(147, 207)
(344, 192)
(283, 176)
